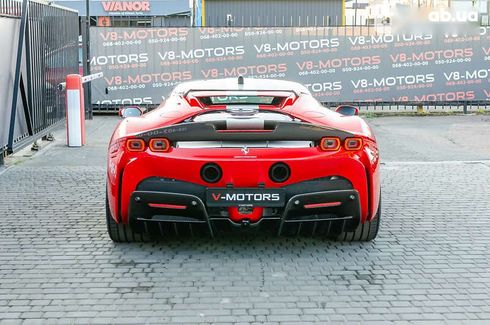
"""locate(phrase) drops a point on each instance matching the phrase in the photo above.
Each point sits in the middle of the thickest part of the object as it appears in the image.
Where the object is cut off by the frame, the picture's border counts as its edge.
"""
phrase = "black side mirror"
(347, 110)
(130, 111)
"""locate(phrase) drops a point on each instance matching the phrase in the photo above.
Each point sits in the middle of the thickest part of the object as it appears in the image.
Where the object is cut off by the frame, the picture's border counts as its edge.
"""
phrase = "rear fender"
(371, 160)
(115, 166)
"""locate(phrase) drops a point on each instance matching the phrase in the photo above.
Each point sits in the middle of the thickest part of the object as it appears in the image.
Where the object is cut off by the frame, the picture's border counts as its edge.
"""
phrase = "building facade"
(133, 13)
(382, 12)
(264, 13)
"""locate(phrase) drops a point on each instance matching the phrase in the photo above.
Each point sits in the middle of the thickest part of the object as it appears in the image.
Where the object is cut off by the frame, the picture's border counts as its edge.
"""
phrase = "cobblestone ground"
(430, 262)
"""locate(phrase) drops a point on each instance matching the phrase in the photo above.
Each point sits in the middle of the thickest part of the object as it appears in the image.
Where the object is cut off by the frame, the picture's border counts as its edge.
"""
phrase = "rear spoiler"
(239, 92)
(216, 131)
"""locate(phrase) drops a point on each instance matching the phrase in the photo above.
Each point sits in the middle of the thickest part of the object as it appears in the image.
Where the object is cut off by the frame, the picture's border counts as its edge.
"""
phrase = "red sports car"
(243, 154)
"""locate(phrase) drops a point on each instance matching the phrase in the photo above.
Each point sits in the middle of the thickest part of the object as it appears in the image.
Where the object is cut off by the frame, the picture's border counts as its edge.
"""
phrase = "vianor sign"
(125, 6)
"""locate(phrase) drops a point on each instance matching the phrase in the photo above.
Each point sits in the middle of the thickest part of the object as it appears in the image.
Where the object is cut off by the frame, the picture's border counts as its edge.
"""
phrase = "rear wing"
(248, 92)
(217, 131)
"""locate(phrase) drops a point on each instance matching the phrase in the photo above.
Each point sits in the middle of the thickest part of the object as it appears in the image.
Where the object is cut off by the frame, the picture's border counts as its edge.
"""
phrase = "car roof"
(232, 84)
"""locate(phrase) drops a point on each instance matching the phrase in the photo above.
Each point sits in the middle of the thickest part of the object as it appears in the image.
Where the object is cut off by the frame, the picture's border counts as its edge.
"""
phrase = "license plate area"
(232, 197)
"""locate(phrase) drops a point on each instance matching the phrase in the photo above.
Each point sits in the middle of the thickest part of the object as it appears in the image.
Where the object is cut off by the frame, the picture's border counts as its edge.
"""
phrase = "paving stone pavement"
(430, 262)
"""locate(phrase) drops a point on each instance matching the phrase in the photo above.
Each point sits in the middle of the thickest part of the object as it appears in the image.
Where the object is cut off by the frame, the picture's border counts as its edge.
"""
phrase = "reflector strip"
(167, 206)
(322, 205)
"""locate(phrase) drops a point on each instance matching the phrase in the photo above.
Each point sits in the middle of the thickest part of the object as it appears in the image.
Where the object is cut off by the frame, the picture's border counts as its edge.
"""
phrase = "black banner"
(142, 65)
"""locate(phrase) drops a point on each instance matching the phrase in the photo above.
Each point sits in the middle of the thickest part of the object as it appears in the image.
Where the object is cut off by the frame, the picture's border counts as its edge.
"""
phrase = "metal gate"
(49, 37)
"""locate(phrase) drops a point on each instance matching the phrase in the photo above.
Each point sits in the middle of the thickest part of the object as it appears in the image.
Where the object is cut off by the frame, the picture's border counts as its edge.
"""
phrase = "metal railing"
(112, 109)
(10, 8)
(478, 106)
(309, 21)
(274, 21)
(51, 53)
(465, 107)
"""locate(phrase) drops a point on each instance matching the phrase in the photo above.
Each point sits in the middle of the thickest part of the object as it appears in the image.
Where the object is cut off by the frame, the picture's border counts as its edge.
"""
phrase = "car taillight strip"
(155, 145)
(352, 144)
(334, 144)
(159, 145)
(330, 144)
(135, 145)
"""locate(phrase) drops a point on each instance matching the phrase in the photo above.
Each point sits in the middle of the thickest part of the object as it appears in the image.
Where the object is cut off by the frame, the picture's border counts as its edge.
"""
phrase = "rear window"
(247, 100)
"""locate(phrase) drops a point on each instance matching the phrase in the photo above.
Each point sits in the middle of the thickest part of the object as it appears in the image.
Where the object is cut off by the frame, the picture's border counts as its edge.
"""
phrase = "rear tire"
(366, 231)
(122, 233)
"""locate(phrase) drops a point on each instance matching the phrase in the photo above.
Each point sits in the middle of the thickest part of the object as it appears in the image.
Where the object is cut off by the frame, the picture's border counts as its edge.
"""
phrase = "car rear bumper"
(314, 202)
(179, 175)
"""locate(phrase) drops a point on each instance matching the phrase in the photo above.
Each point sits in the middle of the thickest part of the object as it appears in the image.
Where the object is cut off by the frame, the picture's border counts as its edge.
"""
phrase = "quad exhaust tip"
(211, 173)
(279, 172)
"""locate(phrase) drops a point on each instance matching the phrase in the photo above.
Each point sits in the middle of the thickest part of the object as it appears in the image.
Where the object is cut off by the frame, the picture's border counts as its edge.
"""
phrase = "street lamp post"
(355, 14)
(86, 58)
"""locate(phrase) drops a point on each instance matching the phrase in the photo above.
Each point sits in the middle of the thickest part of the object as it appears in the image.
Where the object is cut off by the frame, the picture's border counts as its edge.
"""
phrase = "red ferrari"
(243, 155)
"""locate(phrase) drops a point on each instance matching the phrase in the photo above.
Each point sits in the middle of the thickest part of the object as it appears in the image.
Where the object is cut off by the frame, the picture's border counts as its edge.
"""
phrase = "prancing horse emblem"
(245, 150)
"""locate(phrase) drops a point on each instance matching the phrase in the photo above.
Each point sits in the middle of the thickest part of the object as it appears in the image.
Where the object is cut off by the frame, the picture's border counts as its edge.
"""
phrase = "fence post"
(75, 111)
(86, 64)
(75, 108)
